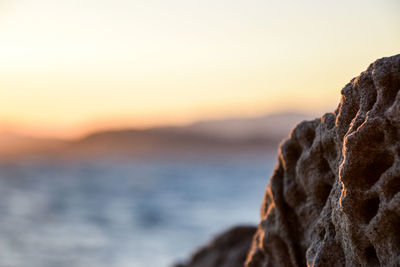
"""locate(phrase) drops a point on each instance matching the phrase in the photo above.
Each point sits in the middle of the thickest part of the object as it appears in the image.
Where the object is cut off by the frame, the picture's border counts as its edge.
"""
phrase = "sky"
(75, 66)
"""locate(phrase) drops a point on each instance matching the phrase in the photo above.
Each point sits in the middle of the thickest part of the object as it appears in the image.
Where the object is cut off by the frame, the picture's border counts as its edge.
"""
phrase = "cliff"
(333, 197)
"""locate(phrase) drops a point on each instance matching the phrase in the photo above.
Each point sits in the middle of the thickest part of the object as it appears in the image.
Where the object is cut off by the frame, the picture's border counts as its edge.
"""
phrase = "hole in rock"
(376, 168)
(393, 187)
(392, 89)
(324, 166)
(322, 234)
(369, 209)
(322, 192)
(330, 150)
(349, 112)
(392, 226)
(293, 153)
(371, 100)
(376, 137)
(372, 258)
(396, 232)
(310, 135)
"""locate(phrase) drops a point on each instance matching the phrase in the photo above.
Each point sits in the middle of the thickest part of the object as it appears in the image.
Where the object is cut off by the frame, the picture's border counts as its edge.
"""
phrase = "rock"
(333, 198)
(227, 250)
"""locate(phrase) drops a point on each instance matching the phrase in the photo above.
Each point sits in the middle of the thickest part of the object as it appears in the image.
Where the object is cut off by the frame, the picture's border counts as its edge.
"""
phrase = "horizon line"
(20, 130)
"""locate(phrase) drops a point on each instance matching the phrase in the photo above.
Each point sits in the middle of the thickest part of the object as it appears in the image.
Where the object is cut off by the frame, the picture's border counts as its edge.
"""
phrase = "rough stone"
(227, 250)
(333, 199)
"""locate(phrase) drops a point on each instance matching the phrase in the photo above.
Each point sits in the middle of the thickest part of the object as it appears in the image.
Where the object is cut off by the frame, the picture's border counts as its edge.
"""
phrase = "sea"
(121, 213)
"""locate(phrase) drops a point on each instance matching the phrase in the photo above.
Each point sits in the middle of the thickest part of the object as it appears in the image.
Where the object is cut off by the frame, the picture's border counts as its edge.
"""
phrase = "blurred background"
(131, 132)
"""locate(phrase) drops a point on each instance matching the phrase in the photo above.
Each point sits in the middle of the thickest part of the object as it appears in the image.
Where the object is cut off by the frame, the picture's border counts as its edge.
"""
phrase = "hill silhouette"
(229, 136)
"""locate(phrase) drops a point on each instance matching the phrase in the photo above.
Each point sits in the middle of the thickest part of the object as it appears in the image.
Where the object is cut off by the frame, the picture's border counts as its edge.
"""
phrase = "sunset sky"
(73, 66)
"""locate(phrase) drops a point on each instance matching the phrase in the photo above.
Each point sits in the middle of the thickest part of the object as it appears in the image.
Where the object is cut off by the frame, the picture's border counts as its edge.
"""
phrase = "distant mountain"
(273, 126)
(211, 137)
(16, 146)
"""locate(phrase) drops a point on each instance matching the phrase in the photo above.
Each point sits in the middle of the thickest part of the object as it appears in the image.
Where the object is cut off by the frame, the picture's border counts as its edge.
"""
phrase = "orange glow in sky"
(69, 67)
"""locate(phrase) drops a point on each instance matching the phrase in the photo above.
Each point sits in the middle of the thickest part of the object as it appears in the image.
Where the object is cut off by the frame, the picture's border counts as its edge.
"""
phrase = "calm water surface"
(122, 214)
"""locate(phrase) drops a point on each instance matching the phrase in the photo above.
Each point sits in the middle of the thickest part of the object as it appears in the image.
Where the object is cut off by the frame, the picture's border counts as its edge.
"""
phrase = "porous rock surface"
(333, 198)
(229, 249)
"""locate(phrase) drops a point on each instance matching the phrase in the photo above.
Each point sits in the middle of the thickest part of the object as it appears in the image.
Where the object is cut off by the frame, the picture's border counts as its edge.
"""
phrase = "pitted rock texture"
(227, 250)
(333, 199)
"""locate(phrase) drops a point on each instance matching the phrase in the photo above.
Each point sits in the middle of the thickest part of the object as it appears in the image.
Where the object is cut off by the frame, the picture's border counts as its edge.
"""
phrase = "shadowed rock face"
(227, 250)
(333, 198)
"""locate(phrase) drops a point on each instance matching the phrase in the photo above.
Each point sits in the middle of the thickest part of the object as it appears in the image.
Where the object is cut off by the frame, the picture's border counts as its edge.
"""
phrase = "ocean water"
(122, 213)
